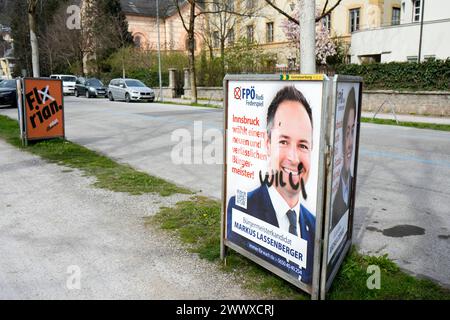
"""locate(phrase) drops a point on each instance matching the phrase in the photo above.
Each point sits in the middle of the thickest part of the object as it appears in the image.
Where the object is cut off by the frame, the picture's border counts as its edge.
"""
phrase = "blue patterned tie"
(292, 222)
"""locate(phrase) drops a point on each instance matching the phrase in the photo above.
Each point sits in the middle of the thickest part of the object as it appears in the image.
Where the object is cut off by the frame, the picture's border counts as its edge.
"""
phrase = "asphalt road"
(403, 198)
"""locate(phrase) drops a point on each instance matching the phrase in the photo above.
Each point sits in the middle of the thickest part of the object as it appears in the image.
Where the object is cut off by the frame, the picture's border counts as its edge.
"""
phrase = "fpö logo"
(249, 95)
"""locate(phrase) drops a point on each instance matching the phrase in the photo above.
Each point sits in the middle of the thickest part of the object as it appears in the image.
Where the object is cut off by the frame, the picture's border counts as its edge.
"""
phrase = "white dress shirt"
(345, 189)
(281, 208)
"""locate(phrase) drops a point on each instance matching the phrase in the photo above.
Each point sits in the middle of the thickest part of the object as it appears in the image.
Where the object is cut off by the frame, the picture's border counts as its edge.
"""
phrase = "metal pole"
(307, 36)
(159, 52)
(421, 29)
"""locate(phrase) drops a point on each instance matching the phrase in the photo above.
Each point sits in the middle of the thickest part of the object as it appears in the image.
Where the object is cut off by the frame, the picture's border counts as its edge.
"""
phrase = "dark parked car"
(8, 93)
(90, 88)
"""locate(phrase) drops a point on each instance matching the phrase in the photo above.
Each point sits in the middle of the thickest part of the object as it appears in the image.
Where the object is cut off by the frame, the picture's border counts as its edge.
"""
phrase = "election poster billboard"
(274, 172)
(342, 179)
(42, 108)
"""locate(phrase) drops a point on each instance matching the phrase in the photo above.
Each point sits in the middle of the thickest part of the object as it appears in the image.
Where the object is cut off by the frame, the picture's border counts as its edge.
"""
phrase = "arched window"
(137, 41)
(187, 44)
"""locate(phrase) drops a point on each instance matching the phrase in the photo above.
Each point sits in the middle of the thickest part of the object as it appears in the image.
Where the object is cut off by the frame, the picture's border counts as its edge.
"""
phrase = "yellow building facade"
(257, 21)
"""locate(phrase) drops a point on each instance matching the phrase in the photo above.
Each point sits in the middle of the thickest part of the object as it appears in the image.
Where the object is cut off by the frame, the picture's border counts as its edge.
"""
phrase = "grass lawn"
(419, 125)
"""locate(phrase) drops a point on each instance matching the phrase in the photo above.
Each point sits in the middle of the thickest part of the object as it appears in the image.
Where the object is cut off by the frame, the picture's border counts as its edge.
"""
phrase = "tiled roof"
(147, 8)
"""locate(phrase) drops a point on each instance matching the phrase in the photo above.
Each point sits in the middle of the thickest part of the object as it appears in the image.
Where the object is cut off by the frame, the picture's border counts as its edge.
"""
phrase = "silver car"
(129, 90)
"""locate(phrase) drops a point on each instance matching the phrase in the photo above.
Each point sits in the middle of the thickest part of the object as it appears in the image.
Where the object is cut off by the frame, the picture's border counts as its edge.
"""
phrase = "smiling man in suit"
(342, 198)
(278, 200)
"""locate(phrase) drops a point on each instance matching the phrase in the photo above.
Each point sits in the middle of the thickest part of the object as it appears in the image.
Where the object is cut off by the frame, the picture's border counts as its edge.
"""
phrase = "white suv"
(129, 90)
(68, 82)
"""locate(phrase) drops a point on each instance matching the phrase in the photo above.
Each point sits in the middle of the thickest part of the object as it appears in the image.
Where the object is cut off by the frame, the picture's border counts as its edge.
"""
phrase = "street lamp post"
(421, 30)
(159, 52)
(307, 36)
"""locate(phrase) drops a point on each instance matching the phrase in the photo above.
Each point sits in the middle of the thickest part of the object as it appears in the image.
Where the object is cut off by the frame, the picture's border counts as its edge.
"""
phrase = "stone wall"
(206, 93)
(416, 103)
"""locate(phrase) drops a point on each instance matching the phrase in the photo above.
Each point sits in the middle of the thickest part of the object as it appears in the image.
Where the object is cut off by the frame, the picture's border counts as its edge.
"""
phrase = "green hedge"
(150, 78)
(432, 75)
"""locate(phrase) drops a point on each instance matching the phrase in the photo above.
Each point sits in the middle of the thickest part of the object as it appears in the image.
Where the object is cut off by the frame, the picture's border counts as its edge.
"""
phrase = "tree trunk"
(34, 44)
(50, 61)
(192, 72)
(123, 63)
(222, 55)
(191, 37)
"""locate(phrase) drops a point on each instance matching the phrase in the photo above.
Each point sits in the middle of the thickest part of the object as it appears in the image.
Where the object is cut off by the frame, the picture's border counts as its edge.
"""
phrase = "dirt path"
(55, 226)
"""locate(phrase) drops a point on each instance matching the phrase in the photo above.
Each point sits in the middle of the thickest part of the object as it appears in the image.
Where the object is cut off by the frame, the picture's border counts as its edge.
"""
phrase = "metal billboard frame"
(24, 111)
(325, 283)
(314, 288)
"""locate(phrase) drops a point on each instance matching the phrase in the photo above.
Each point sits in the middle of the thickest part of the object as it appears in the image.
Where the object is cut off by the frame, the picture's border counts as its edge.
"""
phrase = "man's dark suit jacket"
(339, 208)
(259, 205)
(339, 205)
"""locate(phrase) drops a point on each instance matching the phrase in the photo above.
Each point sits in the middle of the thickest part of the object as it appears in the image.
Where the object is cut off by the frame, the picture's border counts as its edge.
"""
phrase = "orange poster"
(44, 113)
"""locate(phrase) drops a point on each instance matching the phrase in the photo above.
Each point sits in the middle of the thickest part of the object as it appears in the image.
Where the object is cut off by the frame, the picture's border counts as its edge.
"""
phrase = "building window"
(372, 58)
(429, 57)
(326, 22)
(291, 63)
(231, 37)
(137, 41)
(354, 20)
(417, 10)
(230, 5)
(411, 58)
(269, 32)
(250, 34)
(395, 16)
(187, 44)
(216, 5)
(216, 39)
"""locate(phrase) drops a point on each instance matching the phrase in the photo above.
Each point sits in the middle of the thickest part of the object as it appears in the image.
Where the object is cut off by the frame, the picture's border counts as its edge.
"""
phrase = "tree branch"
(270, 3)
(324, 7)
(324, 13)
(181, 16)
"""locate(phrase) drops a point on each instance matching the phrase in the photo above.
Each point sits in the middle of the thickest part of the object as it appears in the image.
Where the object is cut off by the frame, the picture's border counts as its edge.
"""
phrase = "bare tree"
(63, 46)
(324, 12)
(219, 7)
(189, 26)
(120, 38)
(105, 31)
(222, 24)
(32, 17)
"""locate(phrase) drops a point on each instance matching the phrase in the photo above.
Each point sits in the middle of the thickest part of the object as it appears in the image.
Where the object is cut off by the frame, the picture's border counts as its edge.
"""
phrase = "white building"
(401, 42)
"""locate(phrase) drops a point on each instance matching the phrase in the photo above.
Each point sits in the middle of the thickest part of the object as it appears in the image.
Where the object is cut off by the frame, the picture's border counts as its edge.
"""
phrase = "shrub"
(142, 65)
(432, 75)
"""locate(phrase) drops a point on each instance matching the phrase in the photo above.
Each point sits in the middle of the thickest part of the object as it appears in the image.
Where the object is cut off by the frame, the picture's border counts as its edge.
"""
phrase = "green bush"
(150, 78)
(432, 75)
(141, 65)
(209, 71)
(246, 57)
